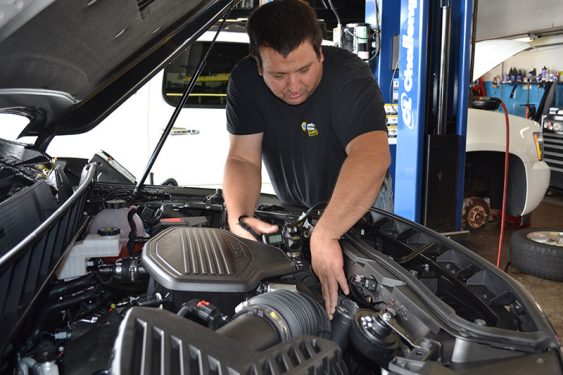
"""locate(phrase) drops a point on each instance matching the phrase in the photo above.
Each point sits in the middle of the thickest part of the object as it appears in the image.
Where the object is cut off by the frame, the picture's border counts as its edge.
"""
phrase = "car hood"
(490, 53)
(66, 64)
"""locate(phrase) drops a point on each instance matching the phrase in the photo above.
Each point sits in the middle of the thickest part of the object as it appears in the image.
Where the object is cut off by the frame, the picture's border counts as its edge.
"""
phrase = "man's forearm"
(355, 192)
(241, 186)
(357, 187)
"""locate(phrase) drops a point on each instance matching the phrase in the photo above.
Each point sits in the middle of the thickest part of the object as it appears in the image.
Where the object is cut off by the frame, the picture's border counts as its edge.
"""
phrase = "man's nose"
(293, 82)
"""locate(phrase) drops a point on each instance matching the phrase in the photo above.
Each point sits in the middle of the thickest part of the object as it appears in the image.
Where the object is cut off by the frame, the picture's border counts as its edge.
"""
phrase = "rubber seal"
(115, 203)
(108, 231)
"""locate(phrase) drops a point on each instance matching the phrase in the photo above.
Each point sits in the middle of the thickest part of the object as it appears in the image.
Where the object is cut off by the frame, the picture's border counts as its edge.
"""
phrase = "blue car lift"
(433, 40)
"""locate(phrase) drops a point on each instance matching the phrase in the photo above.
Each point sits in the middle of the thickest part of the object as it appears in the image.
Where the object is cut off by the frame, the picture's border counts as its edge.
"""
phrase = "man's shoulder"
(246, 68)
(342, 64)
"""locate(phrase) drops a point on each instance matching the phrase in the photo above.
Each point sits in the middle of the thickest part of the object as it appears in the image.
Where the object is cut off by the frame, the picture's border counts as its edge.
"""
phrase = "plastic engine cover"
(158, 342)
(211, 260)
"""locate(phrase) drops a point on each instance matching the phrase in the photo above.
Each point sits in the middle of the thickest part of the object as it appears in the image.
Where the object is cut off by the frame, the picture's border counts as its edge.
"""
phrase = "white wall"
(502, 18)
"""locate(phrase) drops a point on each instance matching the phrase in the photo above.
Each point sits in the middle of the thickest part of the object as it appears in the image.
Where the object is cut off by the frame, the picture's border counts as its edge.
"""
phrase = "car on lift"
(100, 273)
(528, 174)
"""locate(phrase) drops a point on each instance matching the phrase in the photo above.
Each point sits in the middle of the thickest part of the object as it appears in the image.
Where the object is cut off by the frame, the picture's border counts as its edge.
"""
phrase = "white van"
(200, 131)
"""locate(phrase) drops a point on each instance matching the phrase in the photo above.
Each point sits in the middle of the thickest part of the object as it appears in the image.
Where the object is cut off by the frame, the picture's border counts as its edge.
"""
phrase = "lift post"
(433, 39)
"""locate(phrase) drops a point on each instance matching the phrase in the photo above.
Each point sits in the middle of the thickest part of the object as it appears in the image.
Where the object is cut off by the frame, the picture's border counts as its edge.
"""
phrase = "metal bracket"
(422, 350)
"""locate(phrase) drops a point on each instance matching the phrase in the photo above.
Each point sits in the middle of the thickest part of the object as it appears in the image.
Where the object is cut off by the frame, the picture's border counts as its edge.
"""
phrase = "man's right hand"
(328, 265)
(257, 226)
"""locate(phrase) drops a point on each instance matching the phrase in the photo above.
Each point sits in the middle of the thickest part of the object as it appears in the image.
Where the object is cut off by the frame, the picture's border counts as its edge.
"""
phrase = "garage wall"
(547, 51)
(502, 18)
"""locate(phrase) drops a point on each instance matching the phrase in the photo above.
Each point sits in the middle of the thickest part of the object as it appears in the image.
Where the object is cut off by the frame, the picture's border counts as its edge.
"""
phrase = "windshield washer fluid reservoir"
(102, 244)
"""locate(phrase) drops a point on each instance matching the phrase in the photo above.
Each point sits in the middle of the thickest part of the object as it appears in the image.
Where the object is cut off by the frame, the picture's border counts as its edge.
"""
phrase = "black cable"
(396, 108)
(117, 193)
(377, 33)
(308, 212)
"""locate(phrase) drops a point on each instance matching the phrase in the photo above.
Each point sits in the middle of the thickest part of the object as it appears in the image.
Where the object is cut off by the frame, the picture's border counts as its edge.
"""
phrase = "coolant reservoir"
(115, 215)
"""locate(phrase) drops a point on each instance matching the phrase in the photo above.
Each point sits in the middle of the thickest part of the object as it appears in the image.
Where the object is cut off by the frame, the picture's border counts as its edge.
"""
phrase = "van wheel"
(538, 252)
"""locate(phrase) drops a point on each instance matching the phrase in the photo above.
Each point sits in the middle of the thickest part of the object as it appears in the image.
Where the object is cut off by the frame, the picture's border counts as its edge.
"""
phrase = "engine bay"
(155, 283)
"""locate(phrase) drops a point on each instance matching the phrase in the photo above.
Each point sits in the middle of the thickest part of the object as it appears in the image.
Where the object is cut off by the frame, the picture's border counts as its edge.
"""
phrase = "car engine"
(152, 282)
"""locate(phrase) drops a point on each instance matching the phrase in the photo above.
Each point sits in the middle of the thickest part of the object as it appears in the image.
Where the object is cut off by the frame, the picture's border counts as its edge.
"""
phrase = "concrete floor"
(548, 294)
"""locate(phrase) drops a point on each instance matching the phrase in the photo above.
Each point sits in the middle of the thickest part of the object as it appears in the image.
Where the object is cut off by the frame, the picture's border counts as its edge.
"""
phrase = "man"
(315, 116)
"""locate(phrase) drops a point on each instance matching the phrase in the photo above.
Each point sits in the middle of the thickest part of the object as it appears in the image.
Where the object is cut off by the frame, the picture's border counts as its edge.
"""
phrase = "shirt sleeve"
(359, 109)
(242, 115)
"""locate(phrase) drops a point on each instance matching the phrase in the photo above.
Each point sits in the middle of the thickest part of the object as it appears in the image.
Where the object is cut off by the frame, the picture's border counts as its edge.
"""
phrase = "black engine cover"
(211, 260)
(158, 342)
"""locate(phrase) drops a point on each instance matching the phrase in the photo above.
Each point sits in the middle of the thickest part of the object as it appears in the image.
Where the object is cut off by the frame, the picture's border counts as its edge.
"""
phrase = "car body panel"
(38, 54)
(141, 121)
(490, 53)
(486, 131)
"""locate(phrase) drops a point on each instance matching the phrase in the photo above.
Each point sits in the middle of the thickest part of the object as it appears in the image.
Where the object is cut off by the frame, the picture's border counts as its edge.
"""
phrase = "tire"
(488, 104)
(534, 256)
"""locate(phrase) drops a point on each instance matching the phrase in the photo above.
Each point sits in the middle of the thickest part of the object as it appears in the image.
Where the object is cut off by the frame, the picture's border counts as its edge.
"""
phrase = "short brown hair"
(283, 25)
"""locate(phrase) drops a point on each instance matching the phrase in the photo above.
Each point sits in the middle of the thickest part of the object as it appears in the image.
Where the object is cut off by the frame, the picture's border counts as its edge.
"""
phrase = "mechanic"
(315, 116)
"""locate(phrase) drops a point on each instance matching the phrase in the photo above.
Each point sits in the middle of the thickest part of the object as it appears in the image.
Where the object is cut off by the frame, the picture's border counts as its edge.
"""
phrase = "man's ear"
(260, 70)
(321, 55)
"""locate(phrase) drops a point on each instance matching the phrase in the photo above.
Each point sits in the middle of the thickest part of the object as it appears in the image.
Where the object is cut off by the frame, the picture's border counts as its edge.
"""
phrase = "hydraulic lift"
(426, 48)
(424, 54)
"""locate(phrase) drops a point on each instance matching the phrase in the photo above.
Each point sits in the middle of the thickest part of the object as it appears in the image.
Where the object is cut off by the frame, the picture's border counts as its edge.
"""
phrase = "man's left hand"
(328, 264)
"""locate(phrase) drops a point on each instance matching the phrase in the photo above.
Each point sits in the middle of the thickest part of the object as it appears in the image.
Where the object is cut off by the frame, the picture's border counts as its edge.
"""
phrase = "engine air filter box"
(211, 260)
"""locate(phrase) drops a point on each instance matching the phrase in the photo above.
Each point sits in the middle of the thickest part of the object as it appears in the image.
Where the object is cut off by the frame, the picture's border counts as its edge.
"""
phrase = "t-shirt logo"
(309, 128)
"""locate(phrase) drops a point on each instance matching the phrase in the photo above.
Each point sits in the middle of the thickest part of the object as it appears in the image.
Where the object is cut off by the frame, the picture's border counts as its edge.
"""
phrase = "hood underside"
(74, 61)
(490, 53)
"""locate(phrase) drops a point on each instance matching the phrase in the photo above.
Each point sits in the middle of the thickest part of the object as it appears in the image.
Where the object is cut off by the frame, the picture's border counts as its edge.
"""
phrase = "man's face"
(293, 78)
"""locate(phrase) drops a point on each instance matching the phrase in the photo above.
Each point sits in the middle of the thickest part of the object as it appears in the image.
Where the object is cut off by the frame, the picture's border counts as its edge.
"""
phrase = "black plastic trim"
(26, 269)
(211, 260)
(158, 342)
(542, 338)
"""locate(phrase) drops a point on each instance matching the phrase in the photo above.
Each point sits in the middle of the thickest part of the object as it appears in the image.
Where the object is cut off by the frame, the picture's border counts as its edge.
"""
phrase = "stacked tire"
(538, 252)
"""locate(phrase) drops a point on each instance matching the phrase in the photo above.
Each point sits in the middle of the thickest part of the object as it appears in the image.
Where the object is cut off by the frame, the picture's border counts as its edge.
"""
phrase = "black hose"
(342, 321)
(50, 309)
(65, 287)
(132, 233)
(277, 316)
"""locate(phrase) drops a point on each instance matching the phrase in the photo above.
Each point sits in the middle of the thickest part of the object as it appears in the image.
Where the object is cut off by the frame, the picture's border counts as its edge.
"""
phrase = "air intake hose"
(270, 318)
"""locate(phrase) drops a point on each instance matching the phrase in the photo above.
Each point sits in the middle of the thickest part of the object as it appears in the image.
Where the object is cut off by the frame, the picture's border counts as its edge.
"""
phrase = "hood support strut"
(180, 106)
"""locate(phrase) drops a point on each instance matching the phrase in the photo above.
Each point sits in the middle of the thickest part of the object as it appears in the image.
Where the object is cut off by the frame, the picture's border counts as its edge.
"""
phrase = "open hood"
(490, 53)
(67, 86)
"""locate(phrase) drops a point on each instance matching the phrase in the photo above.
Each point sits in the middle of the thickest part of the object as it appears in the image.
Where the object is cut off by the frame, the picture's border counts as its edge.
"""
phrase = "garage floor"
(548, 294)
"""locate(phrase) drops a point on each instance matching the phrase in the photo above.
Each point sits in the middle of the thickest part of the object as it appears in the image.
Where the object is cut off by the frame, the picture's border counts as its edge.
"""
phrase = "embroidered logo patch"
(309, 128)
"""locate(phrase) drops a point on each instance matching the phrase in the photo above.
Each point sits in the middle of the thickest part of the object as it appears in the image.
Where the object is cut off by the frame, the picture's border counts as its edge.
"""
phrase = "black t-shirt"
(304, 145)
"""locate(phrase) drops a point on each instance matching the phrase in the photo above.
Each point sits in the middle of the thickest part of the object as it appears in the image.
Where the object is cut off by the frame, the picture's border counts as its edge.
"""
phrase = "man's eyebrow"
(306, 66)
(301, 68)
